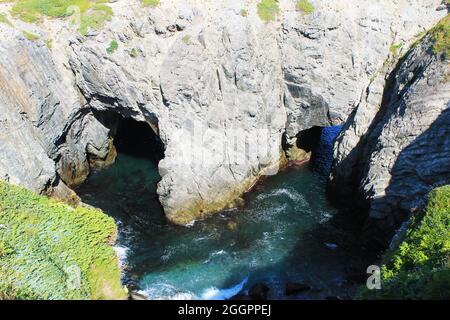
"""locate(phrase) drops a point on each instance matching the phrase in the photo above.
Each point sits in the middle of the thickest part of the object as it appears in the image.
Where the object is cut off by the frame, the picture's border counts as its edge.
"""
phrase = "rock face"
(395, 147)
(220, 88)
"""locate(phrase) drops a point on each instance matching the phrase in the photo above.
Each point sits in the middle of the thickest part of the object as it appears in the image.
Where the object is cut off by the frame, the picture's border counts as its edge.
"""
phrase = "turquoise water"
(286, 232)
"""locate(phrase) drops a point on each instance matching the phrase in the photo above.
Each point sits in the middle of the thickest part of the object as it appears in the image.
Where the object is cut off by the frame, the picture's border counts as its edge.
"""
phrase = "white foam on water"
(168, 252)
(331, 246)
(215, 254)
(164, 291)
(291, 194)
(190, 224)
(214, 293)
(121, 252)
(201, 238)
(268, 214)
(325, 217)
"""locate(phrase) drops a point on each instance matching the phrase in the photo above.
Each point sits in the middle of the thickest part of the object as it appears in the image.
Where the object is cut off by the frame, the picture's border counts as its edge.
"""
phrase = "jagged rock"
(136, 296)
(330, 56)
(201, 66)
(395, 147)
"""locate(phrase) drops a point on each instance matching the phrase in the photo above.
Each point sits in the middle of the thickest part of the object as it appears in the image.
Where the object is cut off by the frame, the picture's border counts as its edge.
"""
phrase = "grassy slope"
(41, 240)
(419, 268)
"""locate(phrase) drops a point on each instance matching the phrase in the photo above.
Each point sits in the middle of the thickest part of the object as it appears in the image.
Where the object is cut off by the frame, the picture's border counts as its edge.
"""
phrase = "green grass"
(113, 46)
(150, 3)
(86, 14)
(92, 13)
(95, 18)
(441, 37)
(30, 36)
(268, 10)
(394, 49)
(244, 13)
(41, 239)
(419, 268)
(305, 6)
(4, 19)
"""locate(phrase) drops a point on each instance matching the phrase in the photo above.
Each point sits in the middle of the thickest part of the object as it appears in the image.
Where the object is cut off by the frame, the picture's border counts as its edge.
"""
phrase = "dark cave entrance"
(127, 189)
(138, 139)
(309, 139)
(320, 142)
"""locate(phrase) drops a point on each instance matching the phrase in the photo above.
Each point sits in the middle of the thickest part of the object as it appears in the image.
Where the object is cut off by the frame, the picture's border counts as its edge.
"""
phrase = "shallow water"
(286, 232)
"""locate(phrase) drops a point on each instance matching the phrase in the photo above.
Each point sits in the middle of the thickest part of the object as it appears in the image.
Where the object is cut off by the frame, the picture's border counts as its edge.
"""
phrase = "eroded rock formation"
(395, 147)
(187, 68)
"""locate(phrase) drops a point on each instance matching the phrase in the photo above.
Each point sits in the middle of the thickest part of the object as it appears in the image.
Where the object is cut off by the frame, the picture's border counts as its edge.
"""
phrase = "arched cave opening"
(138, 139)
(309, 139)
(126, 189)
(320, 142)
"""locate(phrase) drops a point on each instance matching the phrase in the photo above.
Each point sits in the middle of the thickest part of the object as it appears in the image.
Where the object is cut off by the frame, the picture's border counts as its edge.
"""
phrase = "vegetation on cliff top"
(268, 10)
(441, 37)
(150, 3)
(86, 14)
(305, 6)
(49, 250)
(419, 268)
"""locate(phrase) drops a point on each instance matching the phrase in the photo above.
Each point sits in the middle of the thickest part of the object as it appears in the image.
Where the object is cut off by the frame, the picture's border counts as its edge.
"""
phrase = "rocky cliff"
(395, 147)
(220, 85)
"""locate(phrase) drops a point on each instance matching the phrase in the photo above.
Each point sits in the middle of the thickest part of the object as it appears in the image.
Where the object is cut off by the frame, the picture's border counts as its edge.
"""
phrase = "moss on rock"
(49, 250)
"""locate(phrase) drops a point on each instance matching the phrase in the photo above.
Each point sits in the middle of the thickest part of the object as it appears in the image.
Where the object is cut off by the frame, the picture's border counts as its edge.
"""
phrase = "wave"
(289, 193)
(164, 291)
(121, 253)
(214, 293)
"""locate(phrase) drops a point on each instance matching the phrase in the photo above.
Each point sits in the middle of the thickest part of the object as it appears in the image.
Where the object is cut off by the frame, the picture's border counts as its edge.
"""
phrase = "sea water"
(287, 232)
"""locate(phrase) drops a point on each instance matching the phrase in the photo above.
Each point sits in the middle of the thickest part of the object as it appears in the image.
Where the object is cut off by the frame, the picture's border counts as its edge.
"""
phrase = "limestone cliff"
(395, 147)
(207, 76)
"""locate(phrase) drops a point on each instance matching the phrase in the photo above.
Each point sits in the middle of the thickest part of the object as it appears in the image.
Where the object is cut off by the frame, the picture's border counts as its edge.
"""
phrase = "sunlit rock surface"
(396, 151)
(204, 76)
